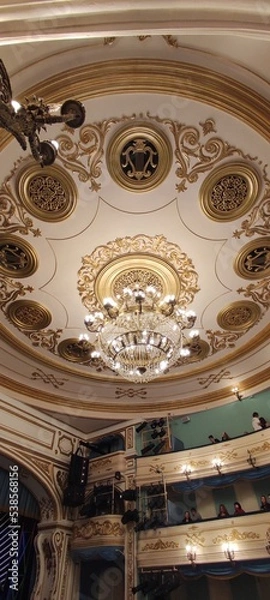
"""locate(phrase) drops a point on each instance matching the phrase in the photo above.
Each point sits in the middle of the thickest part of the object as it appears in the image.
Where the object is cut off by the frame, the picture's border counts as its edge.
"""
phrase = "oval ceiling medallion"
(74, 350)
(17, 257)
(29, 315)
(137, 261)
(253, 262)
(229, 191)
(139, 157)
(239, 316)
(49, 194)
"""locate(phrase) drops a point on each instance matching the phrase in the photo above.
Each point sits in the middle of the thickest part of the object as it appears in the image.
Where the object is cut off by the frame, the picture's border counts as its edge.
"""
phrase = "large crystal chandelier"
(140, 335)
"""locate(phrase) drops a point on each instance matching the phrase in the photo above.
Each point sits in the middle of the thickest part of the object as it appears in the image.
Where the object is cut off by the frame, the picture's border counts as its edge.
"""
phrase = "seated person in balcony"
(187, 517)
(222, 512)
(213, 440)
(195, 515)
(238, 510)
(265, 505)
(263, 422)
(256, 423)
(225, 436)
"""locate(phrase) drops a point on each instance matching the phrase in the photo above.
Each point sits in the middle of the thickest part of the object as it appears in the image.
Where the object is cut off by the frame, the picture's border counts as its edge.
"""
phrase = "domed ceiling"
(167, 183)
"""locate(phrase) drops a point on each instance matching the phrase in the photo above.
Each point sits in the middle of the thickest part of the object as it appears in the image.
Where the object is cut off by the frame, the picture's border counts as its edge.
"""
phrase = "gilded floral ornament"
(166, 258)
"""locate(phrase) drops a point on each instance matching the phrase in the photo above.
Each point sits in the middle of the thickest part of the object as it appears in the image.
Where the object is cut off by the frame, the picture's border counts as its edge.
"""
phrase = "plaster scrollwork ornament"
(236, 535)
(61, 479)
(258, 220)
(9, 292)
(98, 529)
(160, 545)
(258, 292)
(195, 539)
(163, 252)
(220, 340)
(47, 509)
(85, 156)
(13, 215)
(194, 155)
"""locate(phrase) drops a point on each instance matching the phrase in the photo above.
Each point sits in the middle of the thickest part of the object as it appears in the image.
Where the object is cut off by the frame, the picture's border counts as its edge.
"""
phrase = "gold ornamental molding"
(229, 191)
(139, 157)
(239, 316)
(157, 76)
(149, 260)
(17, 257)
(253, 261)
(49, 194)
(160, 545)
(236, 535)
(29, 315)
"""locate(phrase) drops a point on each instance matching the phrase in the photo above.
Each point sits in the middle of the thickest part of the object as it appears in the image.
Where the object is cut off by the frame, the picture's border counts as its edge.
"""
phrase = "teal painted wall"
(234, 418)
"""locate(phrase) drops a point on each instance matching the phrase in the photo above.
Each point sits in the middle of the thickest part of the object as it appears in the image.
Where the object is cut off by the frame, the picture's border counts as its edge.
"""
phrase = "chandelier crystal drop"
(140, 335)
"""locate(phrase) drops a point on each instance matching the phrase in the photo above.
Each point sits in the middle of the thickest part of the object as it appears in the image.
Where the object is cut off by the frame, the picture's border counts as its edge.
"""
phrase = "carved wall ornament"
(46, 339)
(61, 479)
(17, 257)
(10, 290)
(49, 195)
(14, 218)
(195, 155)
(139, 156)
(28, 314)
(198, 351)
(156, 254)
(259, 292)
(65, 444)
(48, 378)
(160, 545)
(239, 316)
(79, 351)
(220, 340)
(214, 378)
(101, 464)
(129, 438)
(92, 528)
(195, 539)
(229, 191)
(236, 535)
(253, 261)
(130, 392)
(47, 509)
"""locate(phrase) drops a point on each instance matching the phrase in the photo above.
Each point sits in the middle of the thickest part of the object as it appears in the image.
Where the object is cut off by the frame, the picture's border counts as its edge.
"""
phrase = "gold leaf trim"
(160, 545)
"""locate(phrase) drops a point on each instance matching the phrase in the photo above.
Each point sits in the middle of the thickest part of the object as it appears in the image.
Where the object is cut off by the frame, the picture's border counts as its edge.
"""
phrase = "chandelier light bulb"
(84, 337)
(16, 105)
(184, 352)
(194, 333)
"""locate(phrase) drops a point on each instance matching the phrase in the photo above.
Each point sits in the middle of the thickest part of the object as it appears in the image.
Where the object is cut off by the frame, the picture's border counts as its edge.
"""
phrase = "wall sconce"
(229, 551)
(186, 470)
(217, 464)
(191, 553)
(251, 460)
(237, 394)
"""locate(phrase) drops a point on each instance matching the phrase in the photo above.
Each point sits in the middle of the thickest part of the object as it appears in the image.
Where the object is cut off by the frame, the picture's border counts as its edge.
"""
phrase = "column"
(55, 568)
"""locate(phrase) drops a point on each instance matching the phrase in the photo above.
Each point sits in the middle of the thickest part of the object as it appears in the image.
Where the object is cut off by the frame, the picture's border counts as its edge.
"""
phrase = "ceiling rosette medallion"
(129, 261)
(17, 257)
(253, 262)
(229, 191)
(49, 194)
(139, 157)
(29, 315)
(239, 316)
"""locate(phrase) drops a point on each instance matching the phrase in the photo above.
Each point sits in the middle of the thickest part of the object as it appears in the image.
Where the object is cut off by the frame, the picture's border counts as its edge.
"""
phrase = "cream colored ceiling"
(197, 78)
